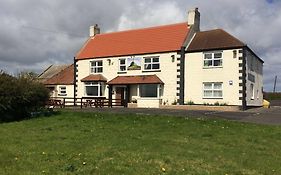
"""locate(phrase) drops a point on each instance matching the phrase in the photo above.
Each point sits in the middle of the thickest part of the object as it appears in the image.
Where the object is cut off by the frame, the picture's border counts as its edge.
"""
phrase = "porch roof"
(138, 79)
(92, 77)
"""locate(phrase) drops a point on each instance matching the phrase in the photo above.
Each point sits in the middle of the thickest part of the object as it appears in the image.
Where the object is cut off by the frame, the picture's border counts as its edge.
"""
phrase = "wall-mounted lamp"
(109, 61)
(173, 58)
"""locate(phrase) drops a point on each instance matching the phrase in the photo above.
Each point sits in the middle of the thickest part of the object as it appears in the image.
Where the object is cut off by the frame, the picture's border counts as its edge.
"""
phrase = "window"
(151, 63)
(95, 89)
(212, 90)
(62, 91)
(252, 92)
(213, 59)
(96, 66)
(122, 65)
(148, 90)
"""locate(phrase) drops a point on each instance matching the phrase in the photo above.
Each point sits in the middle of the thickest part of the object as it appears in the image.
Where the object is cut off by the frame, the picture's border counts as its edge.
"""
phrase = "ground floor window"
(62, 91)
(95, 89)
(149, 90)
(212, 90)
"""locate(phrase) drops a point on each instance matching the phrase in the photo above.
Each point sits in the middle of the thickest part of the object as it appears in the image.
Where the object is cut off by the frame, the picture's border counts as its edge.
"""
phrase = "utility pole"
(274, 87)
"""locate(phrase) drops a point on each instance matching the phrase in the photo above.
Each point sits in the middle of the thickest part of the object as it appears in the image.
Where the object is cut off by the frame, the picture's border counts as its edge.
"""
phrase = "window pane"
(147, 60)
(207, 85)
(217, 93)
(148, 90)
(147, 66)
(155, 60)
(207, 93)
(217, 86)
(100, 69)
(122, 61)
(217, 62)
(155, 66)
(99, 63)
(208, 63)
(122, 68)
(217, 55)
(208, 56)
(92, 90)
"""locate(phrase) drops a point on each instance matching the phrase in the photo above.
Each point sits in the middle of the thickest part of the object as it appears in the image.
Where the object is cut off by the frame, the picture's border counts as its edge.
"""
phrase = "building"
(171, 64)
(59, 79)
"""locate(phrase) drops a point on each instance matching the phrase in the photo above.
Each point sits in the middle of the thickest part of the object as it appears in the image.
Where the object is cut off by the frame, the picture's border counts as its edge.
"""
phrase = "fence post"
(63, 102)
(81, 103)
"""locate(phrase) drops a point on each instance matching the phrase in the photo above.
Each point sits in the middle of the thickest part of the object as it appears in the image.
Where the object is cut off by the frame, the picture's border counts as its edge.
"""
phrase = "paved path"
(270, 116)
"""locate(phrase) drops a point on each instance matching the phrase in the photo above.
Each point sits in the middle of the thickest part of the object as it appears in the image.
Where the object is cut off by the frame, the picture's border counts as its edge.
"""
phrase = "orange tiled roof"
(92, 77)
(64, 77)
(139, 79)
(140, 41)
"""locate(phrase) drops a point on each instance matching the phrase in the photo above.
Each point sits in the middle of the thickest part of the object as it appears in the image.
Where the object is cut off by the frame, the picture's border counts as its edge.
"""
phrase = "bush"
(20, 96)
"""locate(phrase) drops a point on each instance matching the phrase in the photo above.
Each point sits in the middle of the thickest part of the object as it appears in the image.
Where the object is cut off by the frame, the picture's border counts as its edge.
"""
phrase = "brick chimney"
(94, 30)
(193, 19)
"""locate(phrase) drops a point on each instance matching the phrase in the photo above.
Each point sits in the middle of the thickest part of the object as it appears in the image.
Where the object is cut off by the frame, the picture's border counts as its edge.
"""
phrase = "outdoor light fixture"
(173, 58)
(109, 61)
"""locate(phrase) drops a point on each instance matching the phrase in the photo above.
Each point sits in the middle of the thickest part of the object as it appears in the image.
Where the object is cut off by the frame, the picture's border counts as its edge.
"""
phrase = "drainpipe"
(75, 79)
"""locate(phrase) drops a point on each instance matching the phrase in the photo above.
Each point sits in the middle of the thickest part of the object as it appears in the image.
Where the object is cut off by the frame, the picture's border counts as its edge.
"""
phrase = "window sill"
(212, 98)
(158, 70)
(212, 67)
(62, 94)
(121, 72)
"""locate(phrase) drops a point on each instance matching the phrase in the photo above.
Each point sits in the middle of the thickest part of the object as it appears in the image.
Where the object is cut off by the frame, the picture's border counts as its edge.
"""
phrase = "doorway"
(120, 95)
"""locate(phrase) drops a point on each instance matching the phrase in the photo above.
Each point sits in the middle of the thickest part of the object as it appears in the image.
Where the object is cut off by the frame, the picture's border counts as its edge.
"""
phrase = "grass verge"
(100, 143)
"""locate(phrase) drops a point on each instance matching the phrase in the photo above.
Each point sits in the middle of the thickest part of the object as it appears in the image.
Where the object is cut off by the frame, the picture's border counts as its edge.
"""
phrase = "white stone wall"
(196, 74)
(168, 73)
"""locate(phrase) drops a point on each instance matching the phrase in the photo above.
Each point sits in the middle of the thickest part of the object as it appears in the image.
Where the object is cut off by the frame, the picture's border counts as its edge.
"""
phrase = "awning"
(92, 77)
(139, 79)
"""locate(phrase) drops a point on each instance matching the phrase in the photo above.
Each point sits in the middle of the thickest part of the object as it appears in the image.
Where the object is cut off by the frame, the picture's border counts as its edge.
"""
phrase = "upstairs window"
(96, 66)
(151, 63)
(62, 91)
(122, 65)
(213, 59)
(212, 90)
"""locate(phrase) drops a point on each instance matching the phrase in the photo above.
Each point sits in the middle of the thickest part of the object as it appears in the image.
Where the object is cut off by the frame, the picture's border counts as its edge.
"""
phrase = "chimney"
(193, 19)
(94, 30)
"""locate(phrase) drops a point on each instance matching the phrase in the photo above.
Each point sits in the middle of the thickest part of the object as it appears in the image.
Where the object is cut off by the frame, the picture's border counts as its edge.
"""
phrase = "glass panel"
(217, 85)
(207, 93)
(92, 90)
(207, 85)
(155, 66)
(148, 90)
(99, 63)
(217, 55)
(217, 62)
(208, 56)
(122, 61)
(155, 59)
(122, 68)
(217, 93)
(207, 63)
(147, 60)
(147, 66)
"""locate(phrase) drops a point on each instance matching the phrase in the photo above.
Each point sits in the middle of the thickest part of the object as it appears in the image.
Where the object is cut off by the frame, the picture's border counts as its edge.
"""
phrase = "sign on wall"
(134, 63)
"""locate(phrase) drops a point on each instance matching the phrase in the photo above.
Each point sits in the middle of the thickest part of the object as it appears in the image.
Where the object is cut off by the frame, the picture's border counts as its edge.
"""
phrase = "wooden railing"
(85, 102)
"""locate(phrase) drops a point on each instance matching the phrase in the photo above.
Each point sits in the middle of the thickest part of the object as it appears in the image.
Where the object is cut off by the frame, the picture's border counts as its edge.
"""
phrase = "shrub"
(20, 96)
(190, 102)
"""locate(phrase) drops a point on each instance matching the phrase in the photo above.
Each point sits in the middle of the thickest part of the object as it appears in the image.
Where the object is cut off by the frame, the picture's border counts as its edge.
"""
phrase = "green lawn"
(95, 143)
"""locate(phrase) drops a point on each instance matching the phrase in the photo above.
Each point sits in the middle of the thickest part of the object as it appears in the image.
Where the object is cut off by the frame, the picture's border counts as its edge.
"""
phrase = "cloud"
(34, 33)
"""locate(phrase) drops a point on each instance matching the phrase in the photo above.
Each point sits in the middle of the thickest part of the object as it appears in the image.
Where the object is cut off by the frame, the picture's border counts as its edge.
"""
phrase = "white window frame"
(100, 86)
(119, 65)
(212, 89)
(151, 63)
(95, 67)
(212, 59)
(252, 91)
(62, 91)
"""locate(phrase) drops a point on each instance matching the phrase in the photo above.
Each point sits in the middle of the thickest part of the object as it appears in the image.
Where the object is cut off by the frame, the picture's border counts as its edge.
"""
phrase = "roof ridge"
(139, 29)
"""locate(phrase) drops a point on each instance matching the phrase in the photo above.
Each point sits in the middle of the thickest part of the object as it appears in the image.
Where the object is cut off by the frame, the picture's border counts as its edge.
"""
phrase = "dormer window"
(212, 59)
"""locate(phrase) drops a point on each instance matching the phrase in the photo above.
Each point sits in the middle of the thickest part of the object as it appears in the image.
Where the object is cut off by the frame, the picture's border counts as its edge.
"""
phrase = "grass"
(96, 143)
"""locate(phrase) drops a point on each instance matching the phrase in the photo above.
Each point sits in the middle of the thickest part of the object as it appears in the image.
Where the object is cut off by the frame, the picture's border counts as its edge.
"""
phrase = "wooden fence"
(85, 102)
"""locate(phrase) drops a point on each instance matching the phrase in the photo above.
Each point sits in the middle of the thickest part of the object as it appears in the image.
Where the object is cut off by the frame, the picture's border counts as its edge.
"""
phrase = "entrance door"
(119, 95)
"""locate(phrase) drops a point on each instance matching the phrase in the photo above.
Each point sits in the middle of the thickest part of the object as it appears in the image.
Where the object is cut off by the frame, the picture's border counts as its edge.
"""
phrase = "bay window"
(95, 89)
(149, 90)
